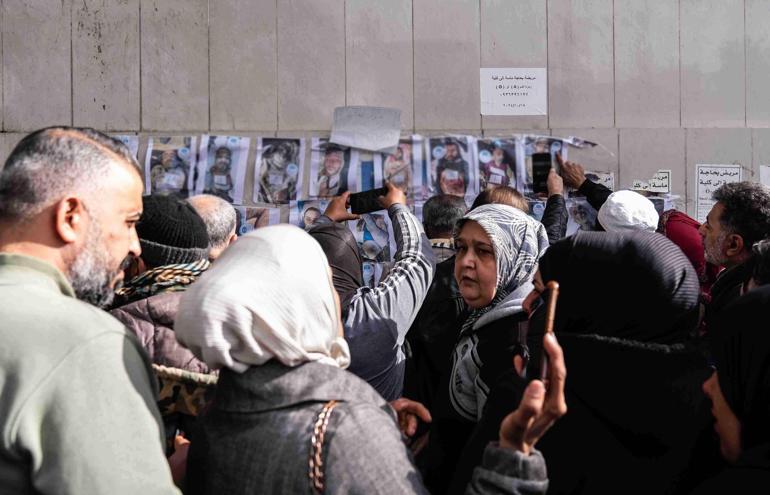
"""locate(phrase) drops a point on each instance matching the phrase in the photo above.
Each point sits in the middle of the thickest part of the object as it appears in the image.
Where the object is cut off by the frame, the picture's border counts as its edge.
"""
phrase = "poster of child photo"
(304, 214)
(451, 170)
(279, 169)
(170, 164)
(497, 162)
(222, 164)
(372, 233)
(582, 216)
(404, 167)
(330, 169)
(539, 144)
(255, 217)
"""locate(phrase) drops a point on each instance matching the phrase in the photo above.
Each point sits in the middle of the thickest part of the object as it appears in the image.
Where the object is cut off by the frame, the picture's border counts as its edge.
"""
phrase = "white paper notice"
(708, 179)
(514, 91)
(764, 175)
(367, 128)
(661, 182)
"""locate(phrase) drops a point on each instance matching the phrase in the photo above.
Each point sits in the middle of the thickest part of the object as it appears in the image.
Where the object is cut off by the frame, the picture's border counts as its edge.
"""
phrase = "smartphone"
(553, 295)
(366, 202)
(541, 165)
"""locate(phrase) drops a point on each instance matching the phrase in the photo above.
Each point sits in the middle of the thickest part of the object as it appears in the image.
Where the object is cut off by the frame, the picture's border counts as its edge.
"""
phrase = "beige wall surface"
(659, 83)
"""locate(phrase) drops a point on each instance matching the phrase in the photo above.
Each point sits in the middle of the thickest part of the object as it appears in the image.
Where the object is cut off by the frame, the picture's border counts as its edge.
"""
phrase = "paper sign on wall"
(660, 183)
(709, 178)
(514, 91)
(764, 175)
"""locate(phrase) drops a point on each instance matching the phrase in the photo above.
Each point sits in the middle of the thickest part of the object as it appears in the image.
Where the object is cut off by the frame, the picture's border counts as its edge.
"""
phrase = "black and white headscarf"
(518, 241)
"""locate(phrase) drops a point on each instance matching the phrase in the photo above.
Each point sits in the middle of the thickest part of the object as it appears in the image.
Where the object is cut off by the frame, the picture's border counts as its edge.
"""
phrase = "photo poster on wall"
(405, 167)
(452, 167)
(255, 217)
(581, 216)
(366, 171)
(131, 142)
(530, 145)
(279, 170)
(374, 234)
(222, 162)
(331, 169)
(170, 165)
(497, 162)
(305, 213)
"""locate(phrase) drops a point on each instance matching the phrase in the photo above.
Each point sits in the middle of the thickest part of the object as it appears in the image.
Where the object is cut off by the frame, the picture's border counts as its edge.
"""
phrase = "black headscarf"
(341, 249)
(740, 350)
(636, 285)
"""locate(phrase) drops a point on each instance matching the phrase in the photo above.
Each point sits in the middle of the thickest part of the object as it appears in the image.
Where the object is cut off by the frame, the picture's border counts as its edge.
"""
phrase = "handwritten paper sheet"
(514, 91)
(367, 128)
(660, 183)
(708, 179)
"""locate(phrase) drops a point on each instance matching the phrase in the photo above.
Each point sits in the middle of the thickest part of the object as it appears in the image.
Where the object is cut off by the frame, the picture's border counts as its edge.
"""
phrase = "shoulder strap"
(315, 463)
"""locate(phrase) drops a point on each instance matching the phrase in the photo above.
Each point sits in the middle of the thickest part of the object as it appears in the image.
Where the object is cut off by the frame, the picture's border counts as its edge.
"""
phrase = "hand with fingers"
(572, 173)
(394, 196)
(409, 412)
(540, 405)
(178, 460)
(338, 208)
(554, 183)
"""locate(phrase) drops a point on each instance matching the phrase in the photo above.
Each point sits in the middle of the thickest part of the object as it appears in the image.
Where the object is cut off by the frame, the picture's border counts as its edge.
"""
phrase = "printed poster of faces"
(404, 167)
(278, 172)
(369, 168)
(497, 162)
(255, 217)
(539, 144)
(450, 167)
(330, 170)
(373, 234)
(374, 273)
(170, 164)
(582, 216)
(304, 214)
(222, 163)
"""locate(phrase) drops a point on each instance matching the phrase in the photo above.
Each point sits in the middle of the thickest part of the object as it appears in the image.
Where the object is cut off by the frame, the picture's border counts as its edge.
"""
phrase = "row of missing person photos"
(421, 166)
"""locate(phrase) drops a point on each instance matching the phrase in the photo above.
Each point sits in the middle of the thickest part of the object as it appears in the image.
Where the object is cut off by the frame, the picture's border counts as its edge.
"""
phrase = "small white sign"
(708, 178)
(764, 175)
(514, 91)
(661, 182)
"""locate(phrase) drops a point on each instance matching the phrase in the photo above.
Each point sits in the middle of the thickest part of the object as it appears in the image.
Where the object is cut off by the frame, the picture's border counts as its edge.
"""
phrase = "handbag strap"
(316, 447)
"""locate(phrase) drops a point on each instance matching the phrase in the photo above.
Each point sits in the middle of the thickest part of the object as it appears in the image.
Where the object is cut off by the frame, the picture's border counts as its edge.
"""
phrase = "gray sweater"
(256, 439)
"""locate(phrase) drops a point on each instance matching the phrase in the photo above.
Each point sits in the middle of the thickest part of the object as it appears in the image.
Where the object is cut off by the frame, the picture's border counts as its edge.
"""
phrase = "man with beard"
(740, 217)
(77, 395)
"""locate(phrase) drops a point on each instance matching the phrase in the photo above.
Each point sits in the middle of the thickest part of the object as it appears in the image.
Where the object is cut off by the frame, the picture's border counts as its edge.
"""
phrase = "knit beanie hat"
(171, 232)
(627, 211)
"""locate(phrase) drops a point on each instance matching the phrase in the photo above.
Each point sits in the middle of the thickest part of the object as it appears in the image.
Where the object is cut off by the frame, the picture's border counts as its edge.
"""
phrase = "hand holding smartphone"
(367, 201)
(541, 166)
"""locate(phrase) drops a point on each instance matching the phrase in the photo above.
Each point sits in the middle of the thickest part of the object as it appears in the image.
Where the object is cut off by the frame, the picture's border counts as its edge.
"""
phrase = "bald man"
(221, 220)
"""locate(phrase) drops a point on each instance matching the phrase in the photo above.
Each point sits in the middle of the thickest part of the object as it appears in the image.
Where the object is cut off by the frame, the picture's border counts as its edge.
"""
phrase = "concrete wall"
(660, 83)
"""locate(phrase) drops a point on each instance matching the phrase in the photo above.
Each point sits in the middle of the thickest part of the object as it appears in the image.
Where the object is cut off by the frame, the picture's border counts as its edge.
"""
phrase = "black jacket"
(555, 218)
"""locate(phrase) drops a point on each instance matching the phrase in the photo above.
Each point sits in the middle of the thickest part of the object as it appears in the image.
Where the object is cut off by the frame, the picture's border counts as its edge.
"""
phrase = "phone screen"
(541, 165)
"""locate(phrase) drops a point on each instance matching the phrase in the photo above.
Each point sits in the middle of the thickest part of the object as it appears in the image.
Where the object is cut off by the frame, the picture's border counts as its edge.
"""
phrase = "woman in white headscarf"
(286, 416)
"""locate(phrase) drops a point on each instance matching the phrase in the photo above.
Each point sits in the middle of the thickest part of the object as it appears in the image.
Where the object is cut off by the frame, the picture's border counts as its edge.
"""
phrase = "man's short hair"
(219, 216)
(49, 163)
(746, 210)
(440, 213)
(501, 195)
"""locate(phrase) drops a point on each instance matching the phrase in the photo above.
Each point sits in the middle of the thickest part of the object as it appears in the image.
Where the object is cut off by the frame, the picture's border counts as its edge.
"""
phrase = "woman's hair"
(502, 195)
(761, 261)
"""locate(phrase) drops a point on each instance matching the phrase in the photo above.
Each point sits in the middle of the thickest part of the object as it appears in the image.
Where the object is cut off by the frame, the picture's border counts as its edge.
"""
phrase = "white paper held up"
(367, 128)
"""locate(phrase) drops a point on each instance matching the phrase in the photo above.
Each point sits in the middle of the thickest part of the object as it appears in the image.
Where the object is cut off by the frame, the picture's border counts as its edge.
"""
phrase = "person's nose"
(702, 231)
(134, 248)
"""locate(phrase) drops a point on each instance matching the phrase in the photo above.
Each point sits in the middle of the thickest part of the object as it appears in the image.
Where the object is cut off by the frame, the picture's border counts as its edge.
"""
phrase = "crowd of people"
(149, 349)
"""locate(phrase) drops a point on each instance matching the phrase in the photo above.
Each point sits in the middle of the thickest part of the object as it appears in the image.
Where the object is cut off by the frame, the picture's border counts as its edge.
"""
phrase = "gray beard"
(90, 274)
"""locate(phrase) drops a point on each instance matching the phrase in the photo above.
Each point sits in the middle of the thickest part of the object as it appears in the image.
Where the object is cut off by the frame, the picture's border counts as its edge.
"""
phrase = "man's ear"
(232, 239)
(69, 219)
(734, 245)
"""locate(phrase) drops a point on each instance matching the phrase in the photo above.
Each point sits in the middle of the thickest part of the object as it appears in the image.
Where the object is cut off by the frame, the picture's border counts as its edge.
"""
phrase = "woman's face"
(475, 266)
(727, 425)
